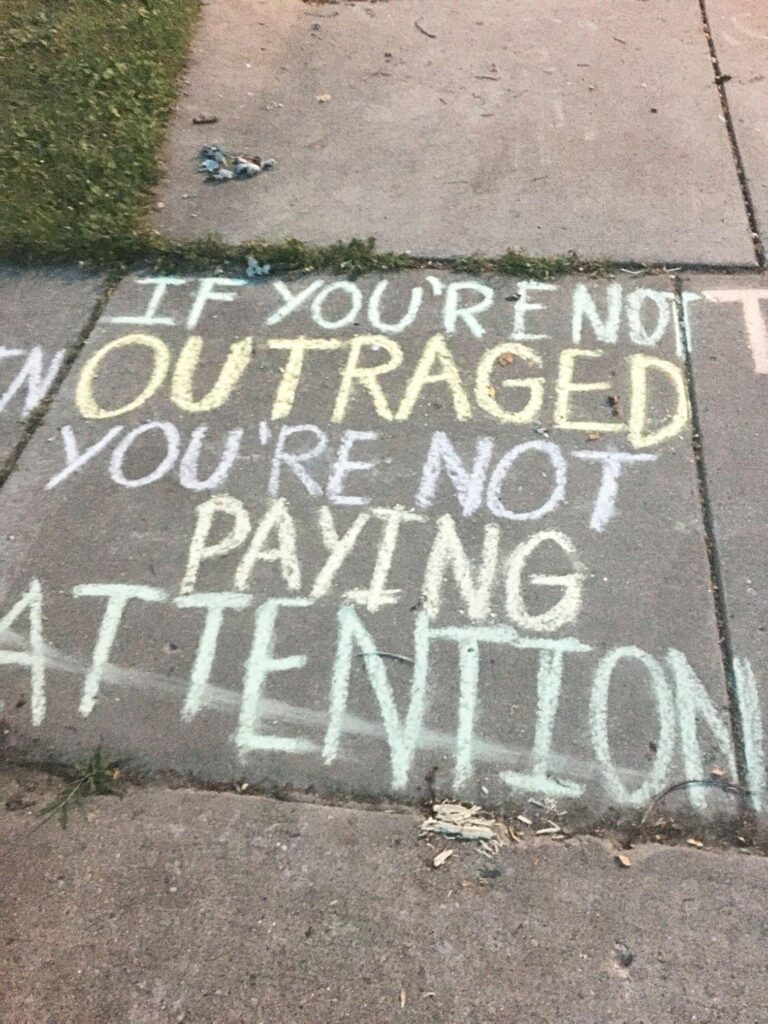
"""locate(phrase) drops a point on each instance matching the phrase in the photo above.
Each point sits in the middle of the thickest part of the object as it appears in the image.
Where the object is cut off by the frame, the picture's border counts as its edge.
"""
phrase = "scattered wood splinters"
(440, 858)
(460, 822)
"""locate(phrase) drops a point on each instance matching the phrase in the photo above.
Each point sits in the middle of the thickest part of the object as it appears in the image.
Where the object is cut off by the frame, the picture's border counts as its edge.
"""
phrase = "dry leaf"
(717, 773)
(506, 359)
(623, 860)
(594, 436)
(403, 998)
(439, 859)
(695, 842)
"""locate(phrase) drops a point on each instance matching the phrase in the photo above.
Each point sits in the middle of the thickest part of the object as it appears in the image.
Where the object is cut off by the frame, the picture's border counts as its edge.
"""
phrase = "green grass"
(97, 776)
(86, 89)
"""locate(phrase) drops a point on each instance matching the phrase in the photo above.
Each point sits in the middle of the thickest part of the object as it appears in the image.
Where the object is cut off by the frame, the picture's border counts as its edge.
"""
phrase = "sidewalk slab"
(208, 908)
(42, 312)
(729, 343)
(443, 129)
(740, 33)
(483, 565)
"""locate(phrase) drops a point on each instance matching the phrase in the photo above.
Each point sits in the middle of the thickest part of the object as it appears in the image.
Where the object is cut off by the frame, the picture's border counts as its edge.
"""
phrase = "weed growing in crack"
(98, 776)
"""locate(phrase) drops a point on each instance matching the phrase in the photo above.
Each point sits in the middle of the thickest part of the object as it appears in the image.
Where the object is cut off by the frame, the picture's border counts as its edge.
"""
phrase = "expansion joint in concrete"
(741, 173)
(725, 640)
(38, 415)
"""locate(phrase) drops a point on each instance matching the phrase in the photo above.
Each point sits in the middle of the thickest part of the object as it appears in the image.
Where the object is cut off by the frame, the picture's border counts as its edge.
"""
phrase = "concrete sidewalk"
(210, 908)
(493, 553)
(478, 552)
(404, 537)
(448, 127)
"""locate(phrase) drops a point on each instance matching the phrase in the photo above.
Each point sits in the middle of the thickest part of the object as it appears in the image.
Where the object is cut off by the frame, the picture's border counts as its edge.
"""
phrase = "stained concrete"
(740, 33)
(42, 313)
(198, 908)
(445, 128)
(638, 579)
(731, 386)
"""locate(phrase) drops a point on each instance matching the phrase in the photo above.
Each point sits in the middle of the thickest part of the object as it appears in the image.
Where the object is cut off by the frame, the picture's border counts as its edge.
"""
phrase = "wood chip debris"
(460, 822)
(623, 860)
(513, 835)
(695, 842)
(439, 859)
(403, 998)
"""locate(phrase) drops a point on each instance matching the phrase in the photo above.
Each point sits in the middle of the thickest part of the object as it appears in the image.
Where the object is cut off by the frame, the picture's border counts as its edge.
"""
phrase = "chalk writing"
(683, 705)
(299, 474)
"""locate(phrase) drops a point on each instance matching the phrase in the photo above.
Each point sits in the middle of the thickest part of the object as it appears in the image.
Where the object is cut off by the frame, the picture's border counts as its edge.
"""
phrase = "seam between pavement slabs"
(624, 831)
(725, 641)
(740, 169)
(38, 414)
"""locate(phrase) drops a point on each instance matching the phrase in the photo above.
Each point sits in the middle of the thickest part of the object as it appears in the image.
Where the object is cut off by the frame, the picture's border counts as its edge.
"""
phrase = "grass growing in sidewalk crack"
(97, 776)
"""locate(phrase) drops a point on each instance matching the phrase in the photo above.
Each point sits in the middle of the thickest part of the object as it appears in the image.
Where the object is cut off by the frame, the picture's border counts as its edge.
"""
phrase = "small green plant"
(97, 776)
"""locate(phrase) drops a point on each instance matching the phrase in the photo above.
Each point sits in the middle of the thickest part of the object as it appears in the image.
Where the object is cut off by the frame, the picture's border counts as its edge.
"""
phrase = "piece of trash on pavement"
(245, 168)
(214, 162)
(440, 858)
(623, 860)
(256, 269)
(323, 98)
(213, 152)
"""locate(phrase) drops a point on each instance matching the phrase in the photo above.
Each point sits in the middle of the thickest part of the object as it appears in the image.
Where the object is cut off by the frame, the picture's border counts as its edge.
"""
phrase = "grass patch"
(97, 776)
(86, 88)
(352, 258)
